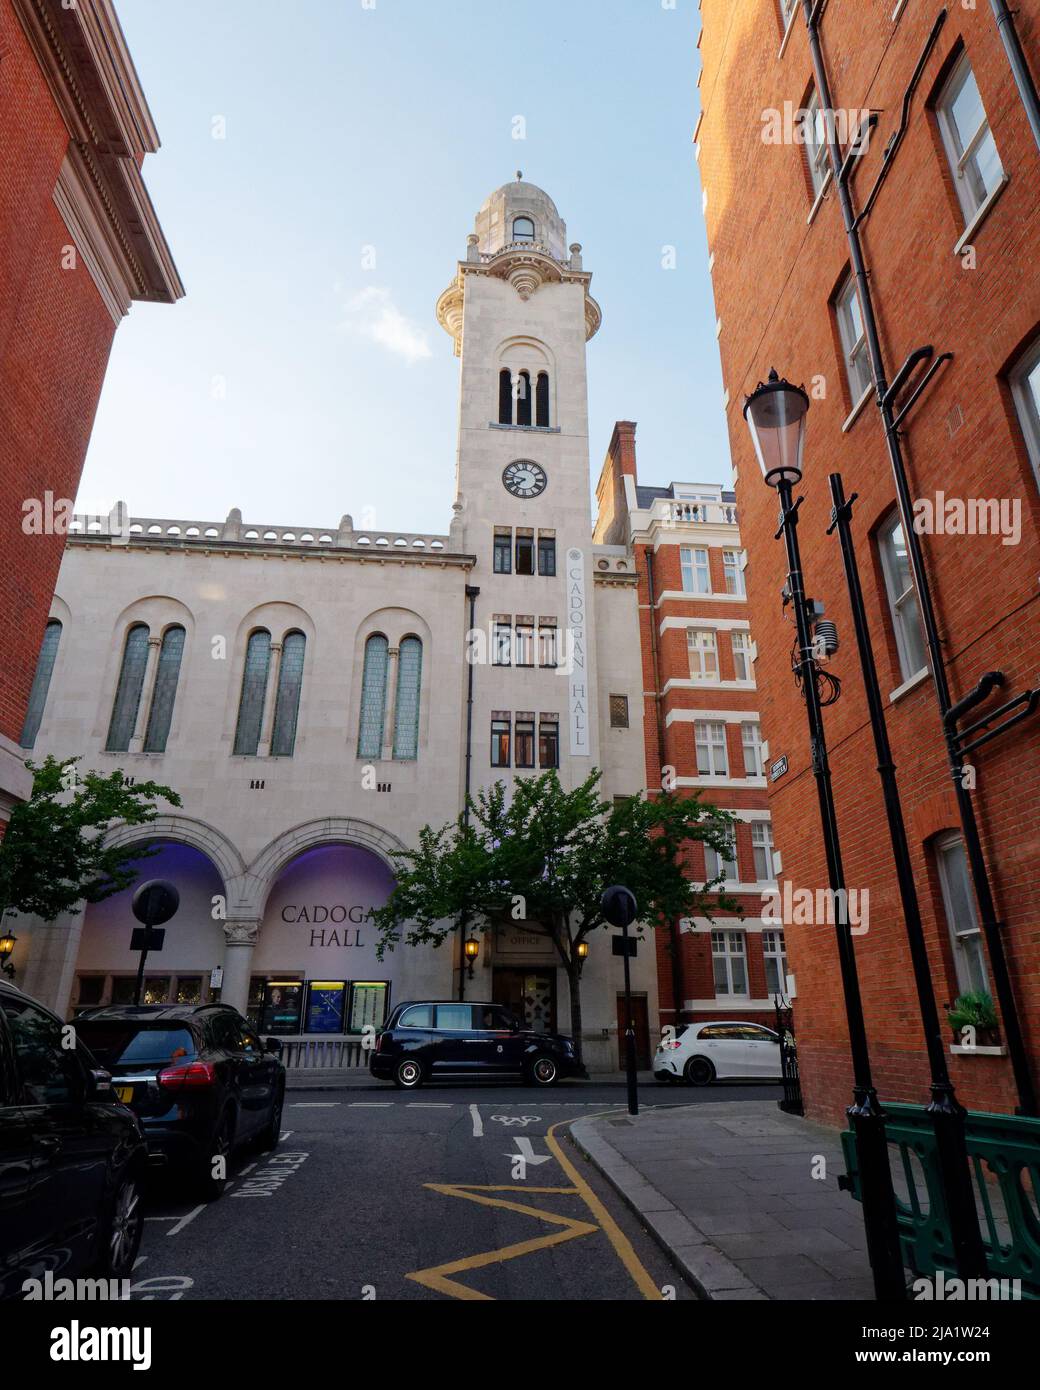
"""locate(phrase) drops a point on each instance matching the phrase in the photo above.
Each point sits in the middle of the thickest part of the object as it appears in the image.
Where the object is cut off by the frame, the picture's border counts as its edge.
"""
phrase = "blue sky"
(297, 383)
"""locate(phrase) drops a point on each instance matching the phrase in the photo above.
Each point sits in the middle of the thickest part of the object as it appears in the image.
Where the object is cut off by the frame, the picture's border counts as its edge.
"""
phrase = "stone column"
(239, 940)
(270, 700)
(393, 655)
(151, 670)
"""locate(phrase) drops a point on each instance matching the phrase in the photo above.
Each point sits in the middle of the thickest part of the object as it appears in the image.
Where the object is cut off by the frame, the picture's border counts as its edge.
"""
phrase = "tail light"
(194, 1076)
(666, 1046)
(379, 1042)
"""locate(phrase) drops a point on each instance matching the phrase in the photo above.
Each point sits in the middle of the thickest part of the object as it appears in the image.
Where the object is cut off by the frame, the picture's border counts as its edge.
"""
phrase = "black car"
(196, 1076)
(428, 1040)
(72, 1158)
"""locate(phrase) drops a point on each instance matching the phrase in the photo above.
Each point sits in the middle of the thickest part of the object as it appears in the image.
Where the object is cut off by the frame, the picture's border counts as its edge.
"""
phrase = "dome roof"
(495, 220)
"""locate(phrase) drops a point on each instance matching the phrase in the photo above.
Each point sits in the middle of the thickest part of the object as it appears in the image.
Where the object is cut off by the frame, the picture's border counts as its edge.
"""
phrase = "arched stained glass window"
(406, 706)
(254, 691)
(542, 399)
(373, 697)
(287, 703)
(128, 691)
(41, 682)
(166, 677)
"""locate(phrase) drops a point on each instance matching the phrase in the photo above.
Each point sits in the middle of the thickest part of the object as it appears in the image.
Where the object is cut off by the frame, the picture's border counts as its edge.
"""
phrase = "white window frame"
(816, 150)
(853, 341)
(693, 568)
(972, 932)
(703, 650)
(1027, 402)
(717, 867)
(774, 948)
(729, 946)
(901, 604)
(962, 156)
(733, 569)
(751, 742)
(741, 645)
(502, 644)
(762, 843)
(710, 735)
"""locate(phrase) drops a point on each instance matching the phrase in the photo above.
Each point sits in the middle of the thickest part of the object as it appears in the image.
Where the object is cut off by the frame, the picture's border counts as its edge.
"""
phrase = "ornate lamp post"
(775, 412)
(471, 949)
(7, 945)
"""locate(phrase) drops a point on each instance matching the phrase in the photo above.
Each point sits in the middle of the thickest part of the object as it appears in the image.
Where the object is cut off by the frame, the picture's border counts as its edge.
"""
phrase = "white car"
(719, 1051)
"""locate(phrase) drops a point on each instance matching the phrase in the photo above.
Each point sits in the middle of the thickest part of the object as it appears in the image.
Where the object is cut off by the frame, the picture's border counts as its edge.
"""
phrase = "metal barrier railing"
(321, 1054)
(1004, 1151)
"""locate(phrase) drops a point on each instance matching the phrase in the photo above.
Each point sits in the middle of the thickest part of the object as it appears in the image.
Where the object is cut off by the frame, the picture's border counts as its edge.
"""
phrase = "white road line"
(314, 1104)
(370, 1104)
(246, 1170)
(478, 1124)
(428, 1105)
(185, 1220)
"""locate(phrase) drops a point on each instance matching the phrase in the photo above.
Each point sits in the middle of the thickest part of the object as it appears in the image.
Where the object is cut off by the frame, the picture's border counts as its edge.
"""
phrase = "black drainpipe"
(1017, 58)
(991, 927)
(472, 594)
(674, 932)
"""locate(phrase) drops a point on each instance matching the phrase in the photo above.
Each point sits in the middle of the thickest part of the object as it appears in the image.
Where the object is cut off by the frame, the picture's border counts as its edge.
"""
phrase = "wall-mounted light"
(471, 949)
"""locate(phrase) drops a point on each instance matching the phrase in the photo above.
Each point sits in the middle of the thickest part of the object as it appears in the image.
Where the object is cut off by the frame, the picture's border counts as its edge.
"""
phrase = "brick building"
(701, 725)
(951, 241)
(79, 240)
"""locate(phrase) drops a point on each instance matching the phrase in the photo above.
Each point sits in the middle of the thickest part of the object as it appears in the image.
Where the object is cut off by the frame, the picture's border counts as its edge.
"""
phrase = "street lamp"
(582, 952)
(471, 948)
(7, 944)
(775, 412)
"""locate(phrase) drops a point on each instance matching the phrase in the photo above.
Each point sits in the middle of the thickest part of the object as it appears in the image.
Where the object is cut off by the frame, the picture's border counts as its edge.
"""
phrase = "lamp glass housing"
(472, 949)
(775, 413)
(7, 940)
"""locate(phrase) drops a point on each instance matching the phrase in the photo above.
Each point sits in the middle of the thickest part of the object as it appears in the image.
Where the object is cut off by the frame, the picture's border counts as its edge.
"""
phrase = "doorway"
(530, 995)
(641, 1027)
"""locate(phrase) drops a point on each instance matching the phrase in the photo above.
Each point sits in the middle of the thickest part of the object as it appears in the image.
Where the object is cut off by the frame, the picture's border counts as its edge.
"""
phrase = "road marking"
(436, 1277)
(185, 1220)
(314, 1104)
(429, 1105)
(618, 1239)
(370, 1104)
(516, 1119)
(478, 1125)
(527, 1153)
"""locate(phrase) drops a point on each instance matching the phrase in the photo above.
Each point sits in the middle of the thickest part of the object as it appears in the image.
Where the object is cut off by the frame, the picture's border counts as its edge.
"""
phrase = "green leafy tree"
(54, 856)
(544, 858)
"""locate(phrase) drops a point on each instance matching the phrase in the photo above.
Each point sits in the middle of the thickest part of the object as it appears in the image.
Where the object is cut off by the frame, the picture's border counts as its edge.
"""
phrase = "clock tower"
(520, 314)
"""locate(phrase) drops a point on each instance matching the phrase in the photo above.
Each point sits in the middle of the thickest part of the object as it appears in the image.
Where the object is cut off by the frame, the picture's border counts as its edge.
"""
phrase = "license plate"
(125, 1094)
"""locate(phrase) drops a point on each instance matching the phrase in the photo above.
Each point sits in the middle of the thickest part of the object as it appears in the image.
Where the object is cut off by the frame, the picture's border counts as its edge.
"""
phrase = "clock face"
(524, 478)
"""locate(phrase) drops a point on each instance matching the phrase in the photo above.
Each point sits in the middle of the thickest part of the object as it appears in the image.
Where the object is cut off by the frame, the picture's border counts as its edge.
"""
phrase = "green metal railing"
(1008, 1201)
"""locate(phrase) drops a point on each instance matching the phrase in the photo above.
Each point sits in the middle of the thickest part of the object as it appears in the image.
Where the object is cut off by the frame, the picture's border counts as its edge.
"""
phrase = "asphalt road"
(455, 1193)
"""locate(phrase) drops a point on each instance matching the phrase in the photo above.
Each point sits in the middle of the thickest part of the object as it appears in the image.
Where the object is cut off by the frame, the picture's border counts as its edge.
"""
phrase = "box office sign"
(523, 947)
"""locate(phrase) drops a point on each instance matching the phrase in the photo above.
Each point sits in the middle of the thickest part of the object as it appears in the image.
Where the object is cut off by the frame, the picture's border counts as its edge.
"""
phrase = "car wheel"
(272, 1131)
(408, 1074)
(542, 1072)
(121, 1237)
(209, 1187)
(699, 1072)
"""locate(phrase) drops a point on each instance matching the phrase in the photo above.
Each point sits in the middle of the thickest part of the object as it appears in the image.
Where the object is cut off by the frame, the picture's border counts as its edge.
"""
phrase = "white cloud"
(372, 314)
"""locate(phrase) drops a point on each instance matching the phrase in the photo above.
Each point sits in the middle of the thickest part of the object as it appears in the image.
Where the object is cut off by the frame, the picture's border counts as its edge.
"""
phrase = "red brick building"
(701, 725)
(951, 244)
(79, 240)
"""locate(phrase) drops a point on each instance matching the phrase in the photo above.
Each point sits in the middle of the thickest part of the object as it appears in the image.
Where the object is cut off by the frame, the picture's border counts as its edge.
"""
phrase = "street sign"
(147, 938)
(778, 768)
(624, 945)
(619, 906)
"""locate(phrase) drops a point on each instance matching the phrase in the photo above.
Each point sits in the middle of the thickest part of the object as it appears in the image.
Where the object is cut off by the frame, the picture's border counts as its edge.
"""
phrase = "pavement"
(742, 1198)
(448, 1193)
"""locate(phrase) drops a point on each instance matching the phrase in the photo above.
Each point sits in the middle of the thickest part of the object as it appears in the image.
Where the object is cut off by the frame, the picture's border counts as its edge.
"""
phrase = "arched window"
(254, 691)
(41, 682)
(523, 400)
(505, 397)
(373, 697)
(128, 691)
(406, 706)
(166, 677)
(542, 399)
(523, 229)
(287, 702)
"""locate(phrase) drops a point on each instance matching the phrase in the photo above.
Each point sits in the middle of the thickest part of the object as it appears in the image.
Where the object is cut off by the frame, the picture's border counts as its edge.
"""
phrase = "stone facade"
(297, 847)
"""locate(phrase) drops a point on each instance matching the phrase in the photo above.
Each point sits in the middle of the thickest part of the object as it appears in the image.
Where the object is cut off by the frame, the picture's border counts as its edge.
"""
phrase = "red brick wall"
(55, 337)
(774, 275)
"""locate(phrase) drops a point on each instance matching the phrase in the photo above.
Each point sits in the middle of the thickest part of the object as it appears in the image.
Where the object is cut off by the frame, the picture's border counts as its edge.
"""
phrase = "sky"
(322, 164)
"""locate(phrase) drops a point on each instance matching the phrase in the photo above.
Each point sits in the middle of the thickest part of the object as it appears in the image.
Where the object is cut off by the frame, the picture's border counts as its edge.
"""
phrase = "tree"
(54, 854)
(544, 857)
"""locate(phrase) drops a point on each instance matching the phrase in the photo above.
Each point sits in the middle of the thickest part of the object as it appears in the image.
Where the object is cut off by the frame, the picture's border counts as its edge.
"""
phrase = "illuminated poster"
(367, 1005)
(281, 1007)
(325, 1006)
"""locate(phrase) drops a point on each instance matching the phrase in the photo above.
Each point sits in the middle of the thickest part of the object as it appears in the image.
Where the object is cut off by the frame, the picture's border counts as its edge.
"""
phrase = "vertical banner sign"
(577, 662)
